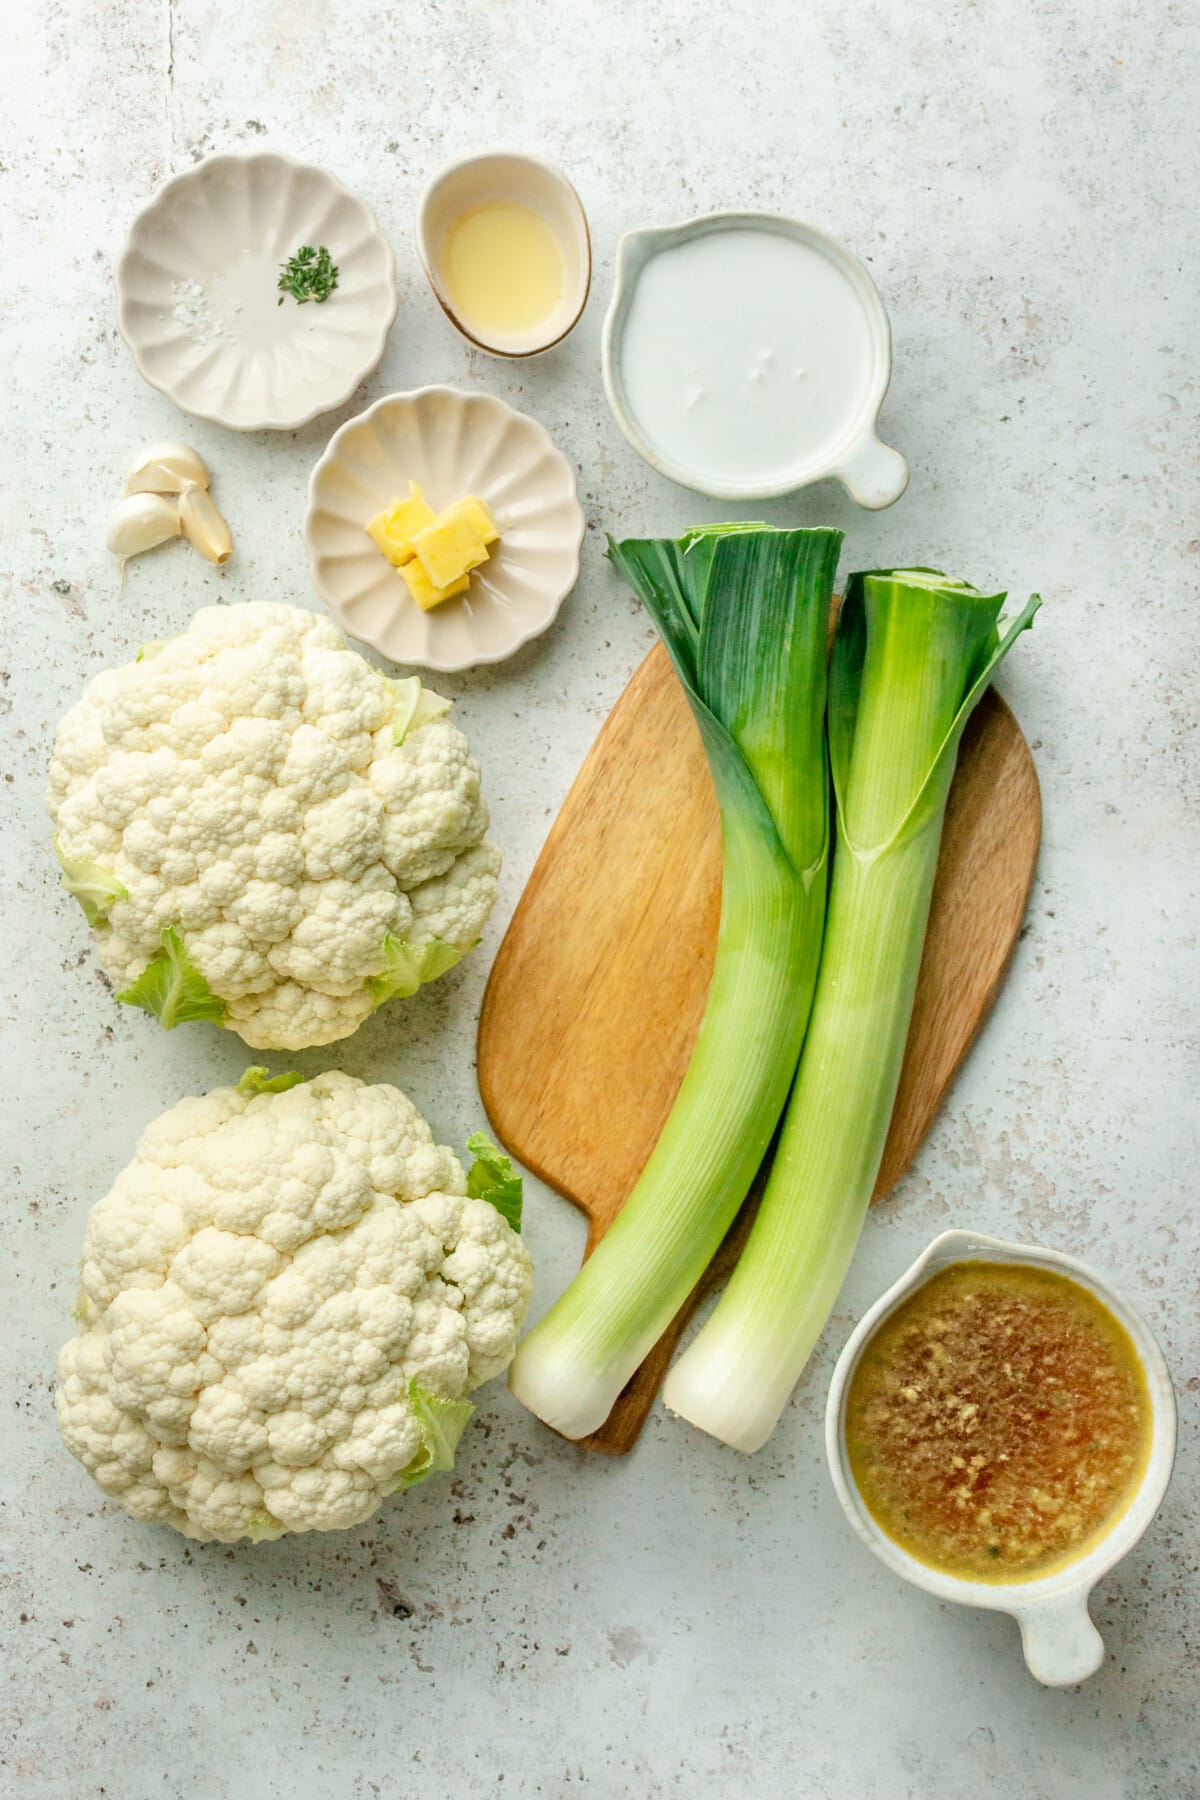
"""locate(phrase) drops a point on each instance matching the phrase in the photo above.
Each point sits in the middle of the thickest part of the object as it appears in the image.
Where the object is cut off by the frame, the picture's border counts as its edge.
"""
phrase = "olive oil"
(503, 269)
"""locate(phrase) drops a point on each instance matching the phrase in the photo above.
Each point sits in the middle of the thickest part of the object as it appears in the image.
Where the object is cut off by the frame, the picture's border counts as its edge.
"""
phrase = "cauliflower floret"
(240, 793)
(432, 808)
(293, 1016)
(454, 907)
(281, 1297)
(335, 946)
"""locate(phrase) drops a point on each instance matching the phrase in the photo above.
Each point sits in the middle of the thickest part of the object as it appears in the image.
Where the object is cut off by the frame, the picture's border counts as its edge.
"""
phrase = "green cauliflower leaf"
(172, 987)
(492, 1177)
(442, 1422)
(263, 1528)
(415, 706)
(408, 966)
(95, 887)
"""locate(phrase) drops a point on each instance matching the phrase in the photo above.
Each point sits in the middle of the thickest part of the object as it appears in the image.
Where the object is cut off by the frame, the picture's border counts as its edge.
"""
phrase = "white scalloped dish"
(199, 302)
(451, 443)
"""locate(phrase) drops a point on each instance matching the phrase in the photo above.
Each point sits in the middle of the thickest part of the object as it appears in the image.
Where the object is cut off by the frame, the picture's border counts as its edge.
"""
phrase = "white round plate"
(451, 443)
(198, 294)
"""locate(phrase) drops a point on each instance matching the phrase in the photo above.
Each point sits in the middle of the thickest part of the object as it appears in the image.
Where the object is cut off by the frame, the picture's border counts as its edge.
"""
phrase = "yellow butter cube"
(480, 515)
(426, 593)
(450, 547)
(393, 529)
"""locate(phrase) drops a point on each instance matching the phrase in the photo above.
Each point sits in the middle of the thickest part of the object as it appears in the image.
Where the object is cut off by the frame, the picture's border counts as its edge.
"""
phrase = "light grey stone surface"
(1021, 180)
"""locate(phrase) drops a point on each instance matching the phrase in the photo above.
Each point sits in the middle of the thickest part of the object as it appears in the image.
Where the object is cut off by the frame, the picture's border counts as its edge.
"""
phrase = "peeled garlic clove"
(203, 525)
(167, 469)
(139, 522)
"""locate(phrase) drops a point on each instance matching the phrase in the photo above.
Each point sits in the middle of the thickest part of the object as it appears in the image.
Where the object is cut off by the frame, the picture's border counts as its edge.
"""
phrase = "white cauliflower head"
(284, 1300)
(267, 832)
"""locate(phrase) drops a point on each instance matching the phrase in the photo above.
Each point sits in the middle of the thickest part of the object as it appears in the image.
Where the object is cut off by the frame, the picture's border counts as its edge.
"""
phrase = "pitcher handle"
(873, 474)
(1060, 1643)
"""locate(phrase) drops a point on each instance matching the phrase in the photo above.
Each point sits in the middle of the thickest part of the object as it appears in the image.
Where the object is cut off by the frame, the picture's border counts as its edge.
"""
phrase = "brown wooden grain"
(596, 994)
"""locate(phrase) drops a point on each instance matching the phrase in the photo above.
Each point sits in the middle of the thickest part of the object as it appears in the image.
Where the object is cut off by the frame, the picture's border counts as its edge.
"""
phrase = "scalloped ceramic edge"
(369, 343)
(542, 526)
(872, 473)
(1060, 1643)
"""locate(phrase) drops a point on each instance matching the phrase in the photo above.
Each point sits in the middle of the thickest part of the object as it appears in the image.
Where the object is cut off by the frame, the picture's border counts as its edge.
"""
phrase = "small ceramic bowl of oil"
(1001, 1431)
(504, 240)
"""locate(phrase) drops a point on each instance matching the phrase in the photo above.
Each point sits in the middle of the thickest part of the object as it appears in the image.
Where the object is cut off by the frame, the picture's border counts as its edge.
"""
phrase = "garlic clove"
(139, 522)
(203, 525)
(167, 469)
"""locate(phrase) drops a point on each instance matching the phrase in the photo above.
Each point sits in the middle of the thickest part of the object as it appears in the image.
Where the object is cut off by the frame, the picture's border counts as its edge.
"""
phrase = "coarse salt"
(192, 313)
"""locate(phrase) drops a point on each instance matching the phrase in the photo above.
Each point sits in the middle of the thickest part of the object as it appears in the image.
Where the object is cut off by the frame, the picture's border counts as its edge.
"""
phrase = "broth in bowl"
(998, 1422)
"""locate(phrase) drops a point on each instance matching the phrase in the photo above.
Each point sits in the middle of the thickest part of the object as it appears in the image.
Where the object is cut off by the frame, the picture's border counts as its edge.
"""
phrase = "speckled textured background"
(1021, 179)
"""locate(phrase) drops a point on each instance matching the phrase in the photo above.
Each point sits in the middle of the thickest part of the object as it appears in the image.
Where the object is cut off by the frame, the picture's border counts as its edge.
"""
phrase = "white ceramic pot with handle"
(751, 328)
(1060, 1642)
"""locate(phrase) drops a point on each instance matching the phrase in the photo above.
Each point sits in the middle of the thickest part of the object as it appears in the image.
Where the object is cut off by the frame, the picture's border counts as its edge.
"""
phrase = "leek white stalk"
(744, 613)
(913, 655)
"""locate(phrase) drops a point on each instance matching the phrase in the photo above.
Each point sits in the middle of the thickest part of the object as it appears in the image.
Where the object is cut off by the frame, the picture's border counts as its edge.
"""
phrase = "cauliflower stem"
(259, 1080)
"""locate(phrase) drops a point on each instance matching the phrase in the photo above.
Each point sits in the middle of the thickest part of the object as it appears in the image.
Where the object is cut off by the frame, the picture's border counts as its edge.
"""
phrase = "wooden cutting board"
(595, 997)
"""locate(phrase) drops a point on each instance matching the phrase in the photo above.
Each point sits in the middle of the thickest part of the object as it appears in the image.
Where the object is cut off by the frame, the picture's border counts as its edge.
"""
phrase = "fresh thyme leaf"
(309, 275)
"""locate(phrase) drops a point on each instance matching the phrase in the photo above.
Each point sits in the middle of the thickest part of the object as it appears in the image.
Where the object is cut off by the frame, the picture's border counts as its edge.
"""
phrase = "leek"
(744, 613)
(914, 653)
